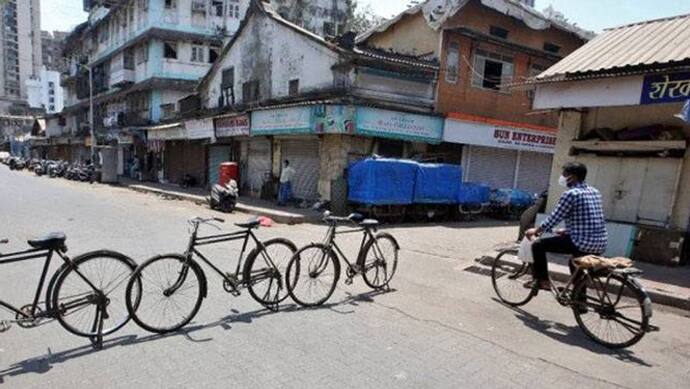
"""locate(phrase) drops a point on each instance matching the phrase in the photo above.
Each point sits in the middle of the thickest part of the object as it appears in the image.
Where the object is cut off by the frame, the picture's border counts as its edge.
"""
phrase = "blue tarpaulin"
(513, 197)
(437, 183)
(474, 193)
(382, 181)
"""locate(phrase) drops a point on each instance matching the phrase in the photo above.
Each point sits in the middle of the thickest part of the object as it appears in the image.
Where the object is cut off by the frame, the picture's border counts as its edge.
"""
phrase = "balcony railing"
(122, 77)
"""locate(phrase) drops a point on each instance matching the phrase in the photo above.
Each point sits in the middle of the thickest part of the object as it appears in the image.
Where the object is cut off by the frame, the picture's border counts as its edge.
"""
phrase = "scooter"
(224, 197)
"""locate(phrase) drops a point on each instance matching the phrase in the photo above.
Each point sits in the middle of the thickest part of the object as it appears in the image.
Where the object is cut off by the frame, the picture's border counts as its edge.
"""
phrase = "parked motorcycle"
(224, 197)
(57, 169)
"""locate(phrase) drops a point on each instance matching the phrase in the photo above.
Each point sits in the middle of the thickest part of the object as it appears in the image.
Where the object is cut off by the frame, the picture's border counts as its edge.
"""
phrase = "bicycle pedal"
(348, 281)
(5, 326)
(235, 292)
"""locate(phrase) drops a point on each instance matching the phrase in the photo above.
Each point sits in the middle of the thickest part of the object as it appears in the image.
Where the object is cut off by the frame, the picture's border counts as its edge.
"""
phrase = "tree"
(361, 19)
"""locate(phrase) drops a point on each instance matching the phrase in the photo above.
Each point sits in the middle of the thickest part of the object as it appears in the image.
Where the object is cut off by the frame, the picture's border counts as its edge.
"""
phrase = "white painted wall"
(273, 54)
(39, 91)
(604, 92)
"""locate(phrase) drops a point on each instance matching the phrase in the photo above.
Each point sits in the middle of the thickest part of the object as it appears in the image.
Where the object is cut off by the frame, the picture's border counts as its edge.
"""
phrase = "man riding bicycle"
(585, 227)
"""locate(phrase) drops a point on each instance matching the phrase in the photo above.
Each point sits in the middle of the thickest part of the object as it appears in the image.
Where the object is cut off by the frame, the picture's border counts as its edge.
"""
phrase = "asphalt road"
(440, 326)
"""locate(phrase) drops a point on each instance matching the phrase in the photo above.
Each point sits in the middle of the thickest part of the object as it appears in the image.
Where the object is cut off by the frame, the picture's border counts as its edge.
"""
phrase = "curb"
(657, 296)
(279, 217)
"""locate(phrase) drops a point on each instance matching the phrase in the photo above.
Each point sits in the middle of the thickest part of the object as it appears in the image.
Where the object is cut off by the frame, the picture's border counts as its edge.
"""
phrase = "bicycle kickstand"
(97, 341)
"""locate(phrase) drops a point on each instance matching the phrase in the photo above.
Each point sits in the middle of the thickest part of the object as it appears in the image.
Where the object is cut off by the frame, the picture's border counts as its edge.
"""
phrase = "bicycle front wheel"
(312, 274)
(90, 296)
(380, 261)
(610, 310)
(265, 269)
(508, 276)
(172, 289)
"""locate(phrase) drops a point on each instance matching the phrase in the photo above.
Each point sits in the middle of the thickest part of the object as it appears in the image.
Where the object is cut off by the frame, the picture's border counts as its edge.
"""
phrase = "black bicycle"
(85, 294)
(609, 304)
(314, 270)
(174, 285)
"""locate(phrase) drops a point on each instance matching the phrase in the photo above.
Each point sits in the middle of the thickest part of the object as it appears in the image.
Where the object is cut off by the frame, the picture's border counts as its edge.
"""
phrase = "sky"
(594, 15)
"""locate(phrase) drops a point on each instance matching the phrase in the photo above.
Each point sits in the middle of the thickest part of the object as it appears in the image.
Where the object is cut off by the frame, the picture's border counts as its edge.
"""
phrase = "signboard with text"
(199, 128)
(296, 120)
(231, 126)
(665, 88)
(485, 134)
(398, 125)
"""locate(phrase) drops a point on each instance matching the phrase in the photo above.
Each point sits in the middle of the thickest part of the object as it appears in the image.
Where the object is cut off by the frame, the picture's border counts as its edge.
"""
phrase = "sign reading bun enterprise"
(501, 136)
(399, 125)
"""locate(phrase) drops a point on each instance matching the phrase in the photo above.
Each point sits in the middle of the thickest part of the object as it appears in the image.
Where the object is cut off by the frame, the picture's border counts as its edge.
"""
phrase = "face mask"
(563, 181)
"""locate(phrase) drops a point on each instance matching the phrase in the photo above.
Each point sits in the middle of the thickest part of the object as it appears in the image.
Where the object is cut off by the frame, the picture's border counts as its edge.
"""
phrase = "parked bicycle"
(610, 305)
(174, 285)
(314, 270)
(85, 294)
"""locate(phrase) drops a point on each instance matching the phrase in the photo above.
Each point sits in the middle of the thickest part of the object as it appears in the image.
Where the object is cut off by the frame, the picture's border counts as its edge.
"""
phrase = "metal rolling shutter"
(303, 155)
(258, 165)
(216, 156)
(492, 166)
(534, 171)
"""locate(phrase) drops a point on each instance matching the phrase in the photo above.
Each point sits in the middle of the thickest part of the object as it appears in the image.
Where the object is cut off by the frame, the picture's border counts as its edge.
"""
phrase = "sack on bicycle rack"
(525, 251)
(596, 262)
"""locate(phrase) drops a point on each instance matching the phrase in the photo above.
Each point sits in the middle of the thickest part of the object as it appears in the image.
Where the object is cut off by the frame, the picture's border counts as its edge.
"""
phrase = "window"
(170, 50)
(51, 84)
(217, 7)
(51, 108)
(128, 60)
(328, 29)
(234, 10)
(51, 92)
(213, 54)
(51, 100)
(198, 53)
(293, 88)
(167, 111)
(491, 70)
(142, 53)
(250, 92)
(227, 86)
(551, 48)
(499, 32)
(170, 4)
(452, 62)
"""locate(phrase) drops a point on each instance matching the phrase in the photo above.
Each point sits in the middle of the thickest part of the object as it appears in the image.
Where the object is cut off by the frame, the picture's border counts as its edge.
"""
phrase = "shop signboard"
(229, 126)
(199, 128)
(501, 136)
(168, 133)
(334, 119)
(282, 121)
(665, 88)
(399, 125)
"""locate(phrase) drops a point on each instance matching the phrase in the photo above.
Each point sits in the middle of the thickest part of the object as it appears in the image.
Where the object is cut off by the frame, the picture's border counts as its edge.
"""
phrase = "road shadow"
(572, 335)
(45, 363)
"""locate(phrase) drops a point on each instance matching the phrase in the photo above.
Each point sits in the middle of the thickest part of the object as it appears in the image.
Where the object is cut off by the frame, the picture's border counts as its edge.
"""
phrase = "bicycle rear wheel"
(90, 296)
(380, 261)
(312, 275)
(265, 269)
(610, 310)
(508, 276)
(172, 289)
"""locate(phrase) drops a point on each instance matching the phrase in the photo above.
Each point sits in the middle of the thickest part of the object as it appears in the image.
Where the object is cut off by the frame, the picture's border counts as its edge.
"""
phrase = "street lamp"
(91, 126)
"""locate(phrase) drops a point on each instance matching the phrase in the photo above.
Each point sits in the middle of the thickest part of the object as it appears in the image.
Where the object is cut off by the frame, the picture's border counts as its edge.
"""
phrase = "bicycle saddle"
(369, 223)
(250, 224)
(52, 241)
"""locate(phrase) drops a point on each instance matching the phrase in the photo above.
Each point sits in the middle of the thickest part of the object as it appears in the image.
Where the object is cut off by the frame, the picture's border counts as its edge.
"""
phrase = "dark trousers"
(557, 244)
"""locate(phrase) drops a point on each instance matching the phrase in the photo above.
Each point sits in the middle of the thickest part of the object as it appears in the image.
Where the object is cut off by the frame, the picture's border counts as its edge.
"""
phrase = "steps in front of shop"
(277, 216)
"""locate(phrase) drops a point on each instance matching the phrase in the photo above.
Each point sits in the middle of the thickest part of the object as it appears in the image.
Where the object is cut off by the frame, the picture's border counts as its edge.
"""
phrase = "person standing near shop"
(285, 190)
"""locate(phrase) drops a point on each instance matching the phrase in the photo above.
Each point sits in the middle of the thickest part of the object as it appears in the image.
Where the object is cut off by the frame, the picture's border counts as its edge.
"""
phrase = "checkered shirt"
(580, 206)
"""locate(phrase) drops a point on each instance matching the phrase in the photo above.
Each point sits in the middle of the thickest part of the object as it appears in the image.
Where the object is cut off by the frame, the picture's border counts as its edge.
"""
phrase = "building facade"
(20, 49)
(483, 47)
(45, 92)
(52, 45)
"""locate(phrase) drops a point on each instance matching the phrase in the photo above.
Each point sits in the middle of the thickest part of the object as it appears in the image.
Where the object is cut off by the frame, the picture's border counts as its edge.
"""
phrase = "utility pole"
(92, 129)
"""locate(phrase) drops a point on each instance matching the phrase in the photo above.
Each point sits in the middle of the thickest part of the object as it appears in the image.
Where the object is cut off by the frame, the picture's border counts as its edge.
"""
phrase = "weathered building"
(621, 103)
(318, 103)
(482, 46)
(322, 17)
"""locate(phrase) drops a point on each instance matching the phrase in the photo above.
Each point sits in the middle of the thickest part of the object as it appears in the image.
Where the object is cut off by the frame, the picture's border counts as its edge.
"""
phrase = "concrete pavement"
(440, 326)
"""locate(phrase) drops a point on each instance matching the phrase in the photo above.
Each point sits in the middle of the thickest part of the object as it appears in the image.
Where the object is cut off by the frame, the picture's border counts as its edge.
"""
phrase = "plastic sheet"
(437, 183)
(513, 197)
(382, 181)
(472, 193)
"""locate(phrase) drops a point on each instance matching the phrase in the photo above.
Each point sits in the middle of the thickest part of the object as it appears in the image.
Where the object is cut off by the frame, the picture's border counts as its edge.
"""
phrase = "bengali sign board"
(484, 134)
(398, 125)
(665, 88)
(230, 126)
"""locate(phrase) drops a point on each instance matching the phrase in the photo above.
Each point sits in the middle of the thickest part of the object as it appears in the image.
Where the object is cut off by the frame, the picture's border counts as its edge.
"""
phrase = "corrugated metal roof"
(649, 43)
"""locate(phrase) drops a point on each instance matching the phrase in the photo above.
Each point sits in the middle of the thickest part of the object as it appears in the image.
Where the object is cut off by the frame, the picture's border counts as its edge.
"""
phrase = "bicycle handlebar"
(199, 220)
(4, 241)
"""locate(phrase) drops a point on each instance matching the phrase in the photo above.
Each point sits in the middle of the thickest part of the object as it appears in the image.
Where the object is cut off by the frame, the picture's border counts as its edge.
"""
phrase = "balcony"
(122, 77)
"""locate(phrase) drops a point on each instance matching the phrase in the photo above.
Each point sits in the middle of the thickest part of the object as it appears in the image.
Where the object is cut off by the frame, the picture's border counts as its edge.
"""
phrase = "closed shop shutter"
(258, 165)
(216, 156)
(534, 171)
(303, 155)
(182, 158)
(492, 166)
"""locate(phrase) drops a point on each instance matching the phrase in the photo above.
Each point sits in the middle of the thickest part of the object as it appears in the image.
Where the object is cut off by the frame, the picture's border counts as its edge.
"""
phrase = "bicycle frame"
(30, 254)
(330, 242)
